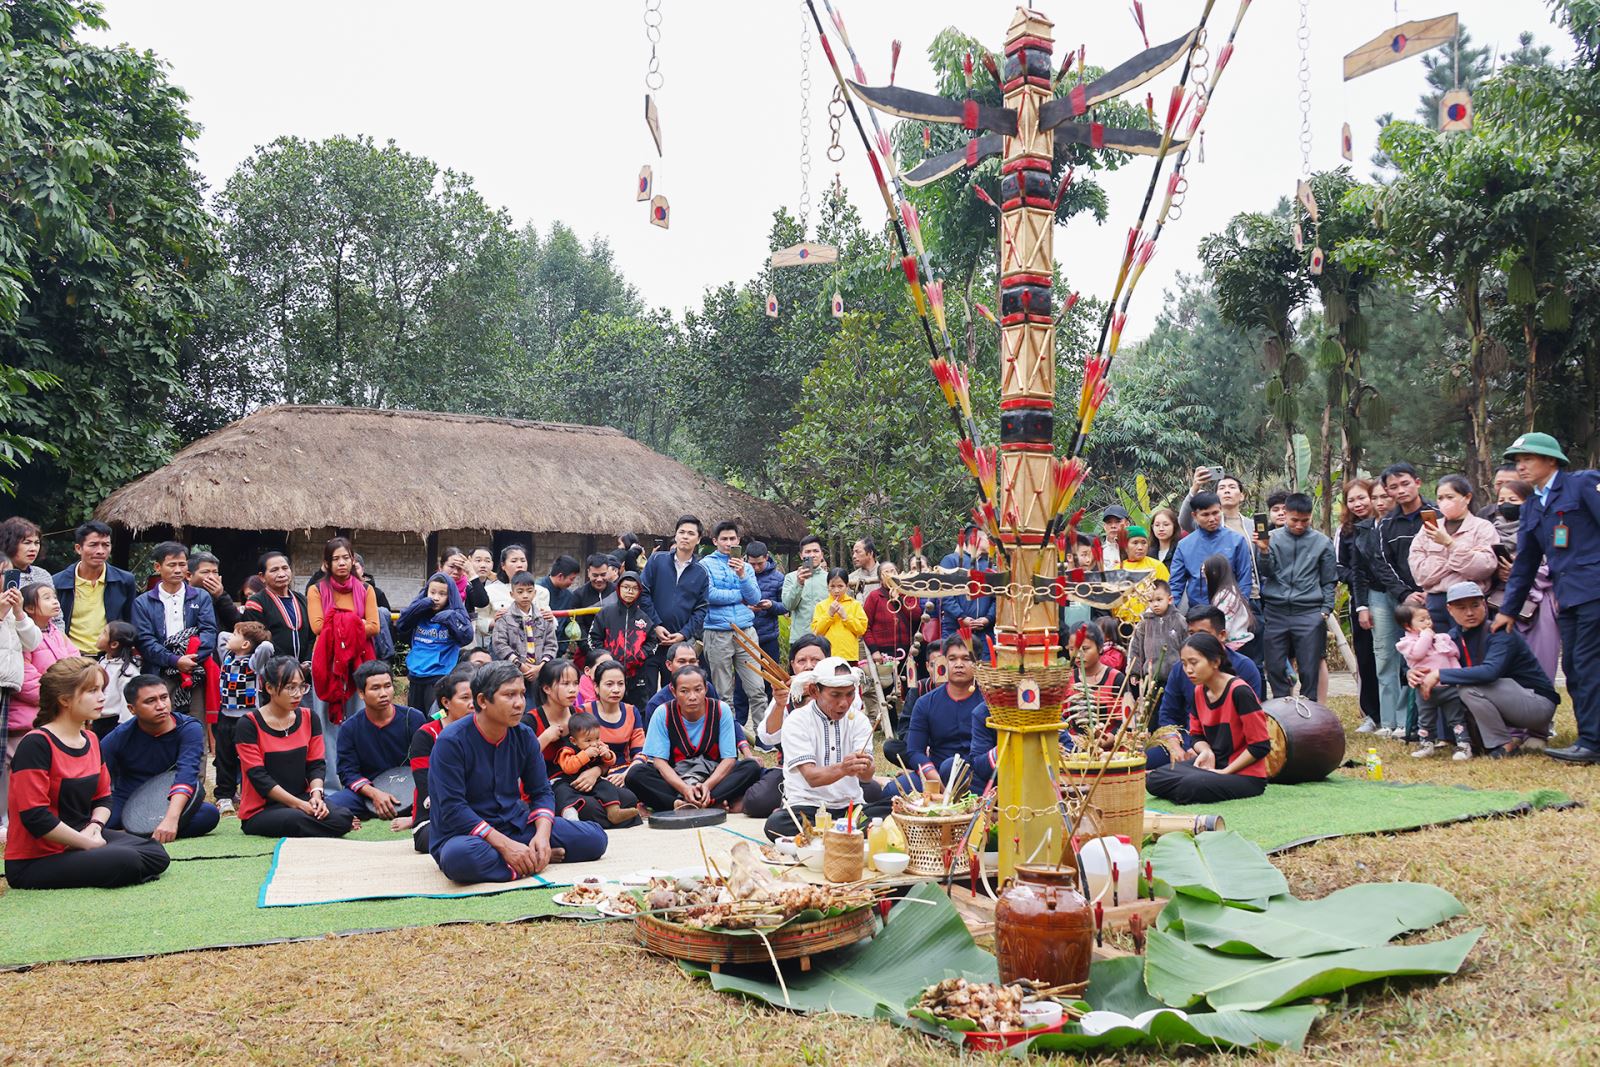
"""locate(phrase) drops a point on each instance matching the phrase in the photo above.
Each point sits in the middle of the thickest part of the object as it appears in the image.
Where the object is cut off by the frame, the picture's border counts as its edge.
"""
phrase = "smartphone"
(736, 552)
(1216, 474)
(1430, 516)
(1260, 519)
(1502, 552)
(12, 579)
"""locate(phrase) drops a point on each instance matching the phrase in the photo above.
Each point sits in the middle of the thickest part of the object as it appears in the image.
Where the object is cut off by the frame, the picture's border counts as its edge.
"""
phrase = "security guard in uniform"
(1561, 524)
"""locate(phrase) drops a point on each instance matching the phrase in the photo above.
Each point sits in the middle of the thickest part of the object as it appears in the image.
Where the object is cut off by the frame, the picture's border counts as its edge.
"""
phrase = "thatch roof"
(297, 467)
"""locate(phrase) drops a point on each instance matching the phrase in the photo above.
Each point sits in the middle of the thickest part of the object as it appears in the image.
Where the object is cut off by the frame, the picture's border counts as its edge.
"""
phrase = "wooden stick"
(759, 654)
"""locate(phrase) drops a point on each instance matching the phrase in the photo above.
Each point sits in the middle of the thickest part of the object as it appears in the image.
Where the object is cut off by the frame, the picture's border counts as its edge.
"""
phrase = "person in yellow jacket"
(840, 618)
(1138, 559)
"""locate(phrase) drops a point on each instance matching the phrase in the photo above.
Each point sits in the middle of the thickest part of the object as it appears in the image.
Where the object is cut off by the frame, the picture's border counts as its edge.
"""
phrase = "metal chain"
(652, 33)
(835, 118)
(1304, 37)
(805, 115)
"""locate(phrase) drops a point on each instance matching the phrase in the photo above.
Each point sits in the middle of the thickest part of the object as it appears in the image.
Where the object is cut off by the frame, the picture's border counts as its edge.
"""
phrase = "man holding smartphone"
(732, 593)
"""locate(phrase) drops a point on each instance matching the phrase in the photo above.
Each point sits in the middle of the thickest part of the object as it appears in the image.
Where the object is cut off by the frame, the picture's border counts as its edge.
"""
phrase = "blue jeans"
(1391, 665)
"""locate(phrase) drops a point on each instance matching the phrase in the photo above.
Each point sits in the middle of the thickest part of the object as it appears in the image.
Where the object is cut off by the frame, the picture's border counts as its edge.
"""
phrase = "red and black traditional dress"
(291, 759)
(1231, 724)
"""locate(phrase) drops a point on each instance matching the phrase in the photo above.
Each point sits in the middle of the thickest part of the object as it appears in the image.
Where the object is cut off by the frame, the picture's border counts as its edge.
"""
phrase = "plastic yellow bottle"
(1374, 765)
(877, 838)
(823, 819)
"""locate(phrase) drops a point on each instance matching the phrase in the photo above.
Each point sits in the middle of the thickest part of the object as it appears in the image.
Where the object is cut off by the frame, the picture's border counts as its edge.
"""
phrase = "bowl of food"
(811, 855)
(1037, 1014)
(891, 863)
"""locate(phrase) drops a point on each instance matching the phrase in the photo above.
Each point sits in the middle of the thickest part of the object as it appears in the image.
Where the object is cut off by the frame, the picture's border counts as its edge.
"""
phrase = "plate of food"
(619, 907)
(775, 854)
(585, 894)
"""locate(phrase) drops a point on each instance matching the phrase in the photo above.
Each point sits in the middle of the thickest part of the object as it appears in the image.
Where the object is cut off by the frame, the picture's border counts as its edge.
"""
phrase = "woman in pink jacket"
(1457, 546)
(39, 604)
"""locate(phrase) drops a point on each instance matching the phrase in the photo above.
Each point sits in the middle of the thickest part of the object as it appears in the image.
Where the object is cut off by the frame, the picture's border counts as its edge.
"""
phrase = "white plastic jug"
(1099, 856)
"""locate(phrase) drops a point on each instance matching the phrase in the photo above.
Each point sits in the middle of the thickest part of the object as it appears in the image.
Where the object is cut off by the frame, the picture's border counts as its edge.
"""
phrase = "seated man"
(1177, 699)
(157, 740)
(679, 655)
(941, 721)
(480, 769)
(377, 740)
(691, 757)
(827, 753)
(1499, 685)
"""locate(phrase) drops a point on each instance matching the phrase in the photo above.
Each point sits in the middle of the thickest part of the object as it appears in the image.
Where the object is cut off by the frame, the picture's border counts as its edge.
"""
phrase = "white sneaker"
(1366, 726)
(225, 806)
(1383, 731)
(1463, 752)
(1426, 749)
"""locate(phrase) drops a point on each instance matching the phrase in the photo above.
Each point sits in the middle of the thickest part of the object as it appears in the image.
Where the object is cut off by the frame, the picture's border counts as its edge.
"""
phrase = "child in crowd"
(580, 750)
(1111, 653)
(1158, 636)
(1223, 588)
(439, 628)
(245, 652)
(1424, 648)
(840, 618)
(119, 656)
(40, 605)
(523, 635)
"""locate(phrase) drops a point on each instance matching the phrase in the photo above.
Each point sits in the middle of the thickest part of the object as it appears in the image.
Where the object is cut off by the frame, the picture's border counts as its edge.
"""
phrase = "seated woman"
(621, 730)
(282, 762)
(454, 697)
(1229, 730)
(764, 798)
(61, 795)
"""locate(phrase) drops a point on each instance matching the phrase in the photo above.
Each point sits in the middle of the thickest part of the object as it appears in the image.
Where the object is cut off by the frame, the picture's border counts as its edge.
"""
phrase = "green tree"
(104, 245)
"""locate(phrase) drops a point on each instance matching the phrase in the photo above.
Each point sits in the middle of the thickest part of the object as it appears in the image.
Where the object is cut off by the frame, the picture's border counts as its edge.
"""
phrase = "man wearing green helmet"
(1561, 524)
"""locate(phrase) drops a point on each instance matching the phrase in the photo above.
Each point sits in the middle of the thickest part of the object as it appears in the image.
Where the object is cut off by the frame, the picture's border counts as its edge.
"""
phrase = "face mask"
(1511, 512)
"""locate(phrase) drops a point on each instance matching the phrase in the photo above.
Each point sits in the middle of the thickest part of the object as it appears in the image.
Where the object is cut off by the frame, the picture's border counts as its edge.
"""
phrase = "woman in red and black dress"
(1229, 730)
(281, 762)
(61, 795)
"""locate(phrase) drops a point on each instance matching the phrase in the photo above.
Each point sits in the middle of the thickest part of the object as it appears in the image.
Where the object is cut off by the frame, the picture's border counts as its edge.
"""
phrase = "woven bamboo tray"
(798, 941)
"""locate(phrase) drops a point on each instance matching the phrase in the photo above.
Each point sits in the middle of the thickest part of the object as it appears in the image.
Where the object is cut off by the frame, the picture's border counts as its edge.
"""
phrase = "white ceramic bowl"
(811, 856)
(1040, 1013)
(891, 862)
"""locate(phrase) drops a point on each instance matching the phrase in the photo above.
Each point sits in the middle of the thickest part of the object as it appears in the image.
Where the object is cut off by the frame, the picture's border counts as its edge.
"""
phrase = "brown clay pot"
(1043, 927)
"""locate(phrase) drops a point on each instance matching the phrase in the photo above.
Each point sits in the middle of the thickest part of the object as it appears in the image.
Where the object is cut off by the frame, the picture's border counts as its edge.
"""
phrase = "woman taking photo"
(344, 618)
(1164, 535)
(1456, 546)
(1346, 549)
(61, 795)
(1229, 731)
(281, 762)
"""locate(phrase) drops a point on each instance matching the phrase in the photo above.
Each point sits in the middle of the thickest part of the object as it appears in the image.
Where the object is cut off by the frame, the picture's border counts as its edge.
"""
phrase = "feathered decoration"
(1099, 552)
(1150, 107)
(936, 303)
(894, 58)
(909, 265)
(989, 65)
(965, 629)
(1066, 476)
(927, 138)
(1138, 18)
(908, 215)
(1068, 304)
(983, 310)
(1079, 636)
(966, 67)
(981, 463)
(983, 195)
(942, 375)
(1072, 527)
(916, 531)
(1066, 66)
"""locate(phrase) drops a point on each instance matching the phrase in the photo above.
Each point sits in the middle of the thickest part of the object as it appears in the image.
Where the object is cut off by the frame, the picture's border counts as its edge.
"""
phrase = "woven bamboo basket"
(999, 685)
(1118, 805)
(843, 856)
(935, 843)
(717, 947)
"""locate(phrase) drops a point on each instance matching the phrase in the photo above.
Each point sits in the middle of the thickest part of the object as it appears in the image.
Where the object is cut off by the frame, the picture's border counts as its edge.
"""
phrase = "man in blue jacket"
(674, 597)
(972, 553)
(732, 592)
(1177, 699)
(1561, 525)
(176, 627)
(1210, 538)
(157, 740)
(1499, 683)
(769, 580)
(91, 592)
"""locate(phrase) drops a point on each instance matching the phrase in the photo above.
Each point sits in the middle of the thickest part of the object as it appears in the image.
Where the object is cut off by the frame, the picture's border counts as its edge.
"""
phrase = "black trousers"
(1298, 635)
(592, 806)
(764, 798)
(1367, 668)
(779, 824)
(125, 859)
(227, 758)
(275, 820)
(1184, 783)
(648, 785)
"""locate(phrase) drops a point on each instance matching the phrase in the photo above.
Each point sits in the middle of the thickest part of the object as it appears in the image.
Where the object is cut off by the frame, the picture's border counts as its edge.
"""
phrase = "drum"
(398, 783)
(1307, 740)
(147, 806)
(688, 818)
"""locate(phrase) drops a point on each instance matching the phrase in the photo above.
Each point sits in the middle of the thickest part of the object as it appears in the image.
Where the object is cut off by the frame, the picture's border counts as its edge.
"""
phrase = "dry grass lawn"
(559, 992)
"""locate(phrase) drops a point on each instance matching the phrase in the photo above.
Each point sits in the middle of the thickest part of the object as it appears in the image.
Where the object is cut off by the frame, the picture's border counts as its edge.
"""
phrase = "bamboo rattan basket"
(1118, 804)
(798, 941)
(999, 685)
(936, 843)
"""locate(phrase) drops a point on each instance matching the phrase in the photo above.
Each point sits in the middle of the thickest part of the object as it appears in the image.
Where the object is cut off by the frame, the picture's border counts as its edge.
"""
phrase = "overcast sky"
(541, 103)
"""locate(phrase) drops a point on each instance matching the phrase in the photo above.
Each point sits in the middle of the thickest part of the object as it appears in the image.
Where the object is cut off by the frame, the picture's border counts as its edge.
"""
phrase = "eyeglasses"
(296, 688)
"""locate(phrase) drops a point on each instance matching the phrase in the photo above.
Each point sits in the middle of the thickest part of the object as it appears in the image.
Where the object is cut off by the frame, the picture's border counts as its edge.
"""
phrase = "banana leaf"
(923, 941)
(1360, 916)
(1181, 974)
(1219, 866)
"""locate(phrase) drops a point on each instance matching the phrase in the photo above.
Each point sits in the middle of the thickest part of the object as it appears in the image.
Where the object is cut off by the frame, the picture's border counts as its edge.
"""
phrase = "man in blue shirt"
(481, 829)
(1177, 699)
(691, 752)
(732, 592)
(675, 594)
(1560, 525)
(157, 740)
(377, 740)
(941, 721)
(1210, 538)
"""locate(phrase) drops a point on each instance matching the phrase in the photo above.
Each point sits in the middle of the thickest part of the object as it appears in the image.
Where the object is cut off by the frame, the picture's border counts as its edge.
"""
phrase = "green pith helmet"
(1536, 444)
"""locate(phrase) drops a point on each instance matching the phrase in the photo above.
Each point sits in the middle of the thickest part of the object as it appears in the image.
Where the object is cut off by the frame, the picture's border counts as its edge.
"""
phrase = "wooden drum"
(1307, 740)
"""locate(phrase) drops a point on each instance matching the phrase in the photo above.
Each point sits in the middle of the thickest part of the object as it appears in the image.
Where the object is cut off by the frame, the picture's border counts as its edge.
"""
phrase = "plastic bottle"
(1374, 765)
(823, 819)
(877, 838)
(1099, 856)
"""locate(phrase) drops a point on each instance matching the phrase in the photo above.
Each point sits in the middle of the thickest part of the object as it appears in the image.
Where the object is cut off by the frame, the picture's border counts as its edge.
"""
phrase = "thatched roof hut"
(295, 474)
